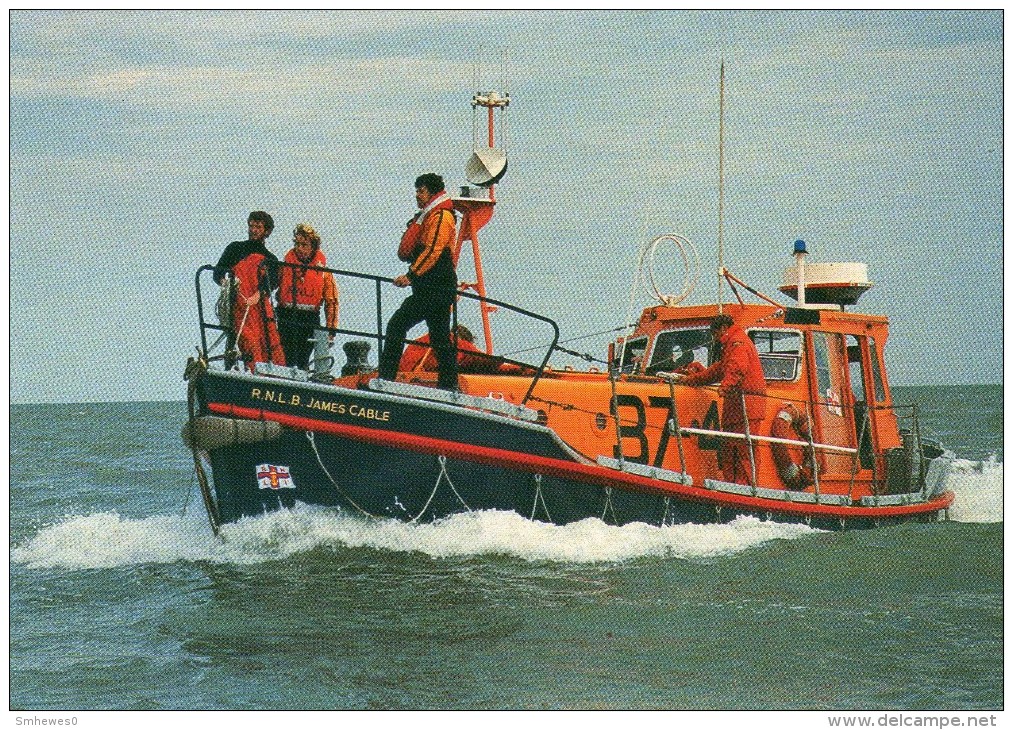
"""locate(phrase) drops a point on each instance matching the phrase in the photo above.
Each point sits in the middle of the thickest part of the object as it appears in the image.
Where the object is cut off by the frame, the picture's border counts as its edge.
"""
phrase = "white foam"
(107, 539)
(977, 488)
(507, 533)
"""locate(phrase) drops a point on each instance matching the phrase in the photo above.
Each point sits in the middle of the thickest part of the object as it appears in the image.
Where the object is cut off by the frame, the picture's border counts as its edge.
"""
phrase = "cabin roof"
(656, 318)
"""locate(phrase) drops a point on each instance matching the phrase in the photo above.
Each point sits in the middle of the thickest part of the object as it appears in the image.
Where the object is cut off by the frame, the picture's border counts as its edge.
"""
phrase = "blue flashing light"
(800, 246)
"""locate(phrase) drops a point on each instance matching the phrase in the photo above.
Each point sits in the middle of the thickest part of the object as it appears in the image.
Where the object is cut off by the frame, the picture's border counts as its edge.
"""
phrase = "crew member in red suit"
(301, 291)
(418, 356)
(739, 372)
(254, 272)
(427, 245)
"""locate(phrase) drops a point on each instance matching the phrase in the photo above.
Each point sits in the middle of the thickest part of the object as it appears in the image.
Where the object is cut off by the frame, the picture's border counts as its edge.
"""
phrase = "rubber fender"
(216, 432)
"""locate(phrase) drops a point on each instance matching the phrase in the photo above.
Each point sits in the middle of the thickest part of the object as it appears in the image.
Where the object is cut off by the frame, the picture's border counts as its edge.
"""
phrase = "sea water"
(121, 598)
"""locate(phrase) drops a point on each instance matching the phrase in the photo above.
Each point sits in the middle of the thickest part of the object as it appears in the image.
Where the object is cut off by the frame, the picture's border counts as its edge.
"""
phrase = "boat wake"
(978, 489)
(108, 540)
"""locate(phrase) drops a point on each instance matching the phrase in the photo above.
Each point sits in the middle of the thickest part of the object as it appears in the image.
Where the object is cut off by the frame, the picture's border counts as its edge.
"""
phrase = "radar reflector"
(486, 166)
(828, 283)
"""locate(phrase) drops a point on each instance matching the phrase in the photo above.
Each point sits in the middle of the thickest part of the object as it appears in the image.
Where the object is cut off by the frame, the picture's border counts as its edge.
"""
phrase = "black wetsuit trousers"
(434, 308)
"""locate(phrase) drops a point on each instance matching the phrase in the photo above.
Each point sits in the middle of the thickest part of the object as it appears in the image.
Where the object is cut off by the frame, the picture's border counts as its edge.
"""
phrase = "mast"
(484, 169)
(721, 185)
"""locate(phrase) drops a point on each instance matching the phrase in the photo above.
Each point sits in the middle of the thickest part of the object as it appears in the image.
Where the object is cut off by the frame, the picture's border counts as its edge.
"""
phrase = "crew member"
(428, 245)
(418, 356)
(253, 269)
(740, 373)
(301, 291)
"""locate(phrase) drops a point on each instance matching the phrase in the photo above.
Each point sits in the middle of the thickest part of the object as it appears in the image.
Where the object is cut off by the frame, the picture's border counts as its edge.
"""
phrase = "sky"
(140, 140)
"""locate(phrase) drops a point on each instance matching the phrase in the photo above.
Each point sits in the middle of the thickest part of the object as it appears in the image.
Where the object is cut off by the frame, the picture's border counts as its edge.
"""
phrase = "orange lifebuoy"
(790, 424)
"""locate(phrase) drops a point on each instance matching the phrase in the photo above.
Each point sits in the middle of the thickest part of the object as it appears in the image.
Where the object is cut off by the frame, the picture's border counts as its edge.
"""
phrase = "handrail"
(200, 311)
(749, 443)
(380, 334)
(769, 439)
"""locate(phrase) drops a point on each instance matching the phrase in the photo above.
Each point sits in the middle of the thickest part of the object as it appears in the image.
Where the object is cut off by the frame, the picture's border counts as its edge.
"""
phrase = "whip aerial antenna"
(721, 184)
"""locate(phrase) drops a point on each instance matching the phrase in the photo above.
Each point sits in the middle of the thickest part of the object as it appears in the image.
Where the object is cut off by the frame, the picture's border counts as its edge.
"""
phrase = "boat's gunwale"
(332, 389)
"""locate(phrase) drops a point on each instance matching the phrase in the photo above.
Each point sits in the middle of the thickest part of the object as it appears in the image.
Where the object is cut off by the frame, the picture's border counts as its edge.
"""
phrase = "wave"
(108, 540)
(977, 486)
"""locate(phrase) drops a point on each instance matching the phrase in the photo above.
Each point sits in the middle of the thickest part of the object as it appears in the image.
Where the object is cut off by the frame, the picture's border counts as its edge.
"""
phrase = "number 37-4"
(631, 429)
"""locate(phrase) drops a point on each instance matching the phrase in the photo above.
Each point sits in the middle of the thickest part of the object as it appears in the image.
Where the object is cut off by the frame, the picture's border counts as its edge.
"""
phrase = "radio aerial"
(488, 163)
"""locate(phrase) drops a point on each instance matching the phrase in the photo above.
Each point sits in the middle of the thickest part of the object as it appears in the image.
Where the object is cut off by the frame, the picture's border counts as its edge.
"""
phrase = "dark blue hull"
(382, 481)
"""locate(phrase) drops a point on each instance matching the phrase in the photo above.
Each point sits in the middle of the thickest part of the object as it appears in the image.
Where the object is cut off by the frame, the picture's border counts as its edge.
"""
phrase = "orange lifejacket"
(411, 240)
(299, 286)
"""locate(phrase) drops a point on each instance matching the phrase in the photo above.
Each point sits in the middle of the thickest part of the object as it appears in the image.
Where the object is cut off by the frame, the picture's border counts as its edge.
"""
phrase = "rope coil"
(690, 262)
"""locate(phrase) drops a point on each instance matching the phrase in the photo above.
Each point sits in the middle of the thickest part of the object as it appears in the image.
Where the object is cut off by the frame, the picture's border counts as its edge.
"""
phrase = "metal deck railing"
(269, 273)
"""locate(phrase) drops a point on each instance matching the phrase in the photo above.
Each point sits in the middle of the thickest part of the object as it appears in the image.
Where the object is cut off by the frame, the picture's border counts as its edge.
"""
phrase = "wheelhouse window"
(630, 353)
(821, 349)
(780, 352)
(676, 349)
(855, 371)
(877, 376)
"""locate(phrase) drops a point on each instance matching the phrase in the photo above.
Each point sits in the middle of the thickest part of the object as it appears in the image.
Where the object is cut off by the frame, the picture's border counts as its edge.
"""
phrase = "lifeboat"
(624, 440)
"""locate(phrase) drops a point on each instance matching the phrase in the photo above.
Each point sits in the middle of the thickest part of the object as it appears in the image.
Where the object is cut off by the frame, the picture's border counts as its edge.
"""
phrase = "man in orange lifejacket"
(253, 269)
(428, 246)
(301, 291)
(741, 376)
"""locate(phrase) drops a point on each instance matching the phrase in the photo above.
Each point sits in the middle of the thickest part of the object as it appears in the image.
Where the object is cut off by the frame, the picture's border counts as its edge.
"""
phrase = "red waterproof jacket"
(253, 321)
(739, 371)
(248, 275)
